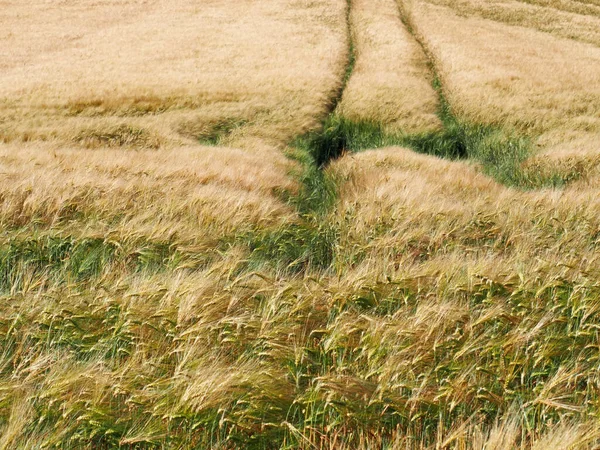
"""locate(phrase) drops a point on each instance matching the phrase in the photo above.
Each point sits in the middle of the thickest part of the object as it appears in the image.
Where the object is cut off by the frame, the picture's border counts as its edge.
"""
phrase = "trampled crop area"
(300, 224)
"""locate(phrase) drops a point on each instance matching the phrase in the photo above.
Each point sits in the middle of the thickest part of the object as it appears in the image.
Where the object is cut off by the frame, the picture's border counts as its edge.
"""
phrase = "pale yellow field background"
(390, 82)
(572, 19)
(516, 74)
(168, 67)
(102, 105)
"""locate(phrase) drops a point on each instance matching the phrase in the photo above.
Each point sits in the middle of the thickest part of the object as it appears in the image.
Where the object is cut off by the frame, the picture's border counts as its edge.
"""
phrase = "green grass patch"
(318, 191)
(62, 259)
(501, 153)
(293, 248)
(339, 135)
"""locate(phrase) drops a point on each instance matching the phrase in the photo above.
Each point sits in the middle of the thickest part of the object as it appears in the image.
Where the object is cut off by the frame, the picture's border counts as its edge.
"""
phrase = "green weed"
(294, 247)
(67, 258)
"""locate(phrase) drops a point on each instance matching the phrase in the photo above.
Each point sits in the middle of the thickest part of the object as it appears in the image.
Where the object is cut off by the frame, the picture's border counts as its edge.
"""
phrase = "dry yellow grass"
(156, 292)
(430, 212)
(107, 85)
(575, 20)
(443, 230)
(188, 345)
(549, 88)
(196, 194)
(390, 82)
(170, 68)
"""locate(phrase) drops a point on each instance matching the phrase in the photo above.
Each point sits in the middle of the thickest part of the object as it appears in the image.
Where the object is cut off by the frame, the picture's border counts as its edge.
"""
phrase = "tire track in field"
(350, 61)
(502, 153)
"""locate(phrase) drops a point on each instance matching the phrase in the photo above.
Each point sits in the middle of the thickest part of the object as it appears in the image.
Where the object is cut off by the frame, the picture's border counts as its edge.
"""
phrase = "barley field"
(300, 224)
